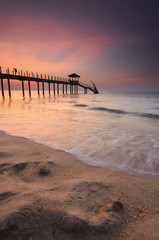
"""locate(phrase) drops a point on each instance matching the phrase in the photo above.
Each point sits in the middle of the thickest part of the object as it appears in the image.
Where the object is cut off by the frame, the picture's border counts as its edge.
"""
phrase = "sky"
(115, 43)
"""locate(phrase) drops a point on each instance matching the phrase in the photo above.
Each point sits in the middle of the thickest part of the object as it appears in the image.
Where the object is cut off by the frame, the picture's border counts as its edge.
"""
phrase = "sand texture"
(51, 195)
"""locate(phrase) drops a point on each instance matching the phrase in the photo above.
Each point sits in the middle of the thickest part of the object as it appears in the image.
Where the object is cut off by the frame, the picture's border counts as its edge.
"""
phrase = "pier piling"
(49, 87)
(85, 90)
(71, 89)
(9, 90)
(29, 87)
(57, 88)
(23, 89)
(66, 88)
(54, 88)
(43, 88)
(63, 89)
(38, 88)
(2, 87)
(75, 89)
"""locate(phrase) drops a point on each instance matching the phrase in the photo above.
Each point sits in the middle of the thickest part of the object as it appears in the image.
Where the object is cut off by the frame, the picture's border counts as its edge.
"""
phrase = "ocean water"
(111, 129)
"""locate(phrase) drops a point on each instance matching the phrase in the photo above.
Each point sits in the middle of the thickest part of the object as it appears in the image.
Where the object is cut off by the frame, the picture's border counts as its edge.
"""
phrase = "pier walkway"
(72, 82)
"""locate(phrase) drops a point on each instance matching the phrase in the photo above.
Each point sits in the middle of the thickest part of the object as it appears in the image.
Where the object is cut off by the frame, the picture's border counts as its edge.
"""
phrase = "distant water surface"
(111, 129)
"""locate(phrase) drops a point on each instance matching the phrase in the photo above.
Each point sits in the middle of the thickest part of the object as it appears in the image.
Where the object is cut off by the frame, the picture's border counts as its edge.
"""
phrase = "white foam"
(98, 139)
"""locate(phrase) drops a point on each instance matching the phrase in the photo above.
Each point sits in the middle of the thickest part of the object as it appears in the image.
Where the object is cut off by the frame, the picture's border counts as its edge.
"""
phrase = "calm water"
(111, 129)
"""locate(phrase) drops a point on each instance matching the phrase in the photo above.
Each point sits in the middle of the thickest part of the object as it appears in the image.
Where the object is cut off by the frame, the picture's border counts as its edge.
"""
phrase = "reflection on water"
(109, 130)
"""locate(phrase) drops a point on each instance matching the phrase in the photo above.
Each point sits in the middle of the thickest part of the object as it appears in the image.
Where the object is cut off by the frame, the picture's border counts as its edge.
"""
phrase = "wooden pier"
(72, 82)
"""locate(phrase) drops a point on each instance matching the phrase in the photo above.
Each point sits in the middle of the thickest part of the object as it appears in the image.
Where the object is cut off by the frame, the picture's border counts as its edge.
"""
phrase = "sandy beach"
(47, 194)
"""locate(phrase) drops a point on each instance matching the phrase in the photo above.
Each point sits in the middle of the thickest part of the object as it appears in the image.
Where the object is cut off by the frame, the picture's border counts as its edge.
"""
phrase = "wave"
(80, 105)
(118, 111)
(108, 110)
(148, 115)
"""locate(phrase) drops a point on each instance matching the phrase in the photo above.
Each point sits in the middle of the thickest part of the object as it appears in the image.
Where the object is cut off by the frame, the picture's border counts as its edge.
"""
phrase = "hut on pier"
(74, 78)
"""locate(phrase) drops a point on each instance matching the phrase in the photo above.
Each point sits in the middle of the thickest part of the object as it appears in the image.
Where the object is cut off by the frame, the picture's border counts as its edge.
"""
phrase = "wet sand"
(47, 194)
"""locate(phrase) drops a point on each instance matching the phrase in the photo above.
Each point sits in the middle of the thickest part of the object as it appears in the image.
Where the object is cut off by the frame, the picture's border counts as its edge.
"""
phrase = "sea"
(112, 129)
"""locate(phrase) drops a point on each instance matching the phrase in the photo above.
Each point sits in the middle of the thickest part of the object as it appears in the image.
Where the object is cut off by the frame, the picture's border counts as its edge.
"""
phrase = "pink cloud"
(49, 38)
(47, 46)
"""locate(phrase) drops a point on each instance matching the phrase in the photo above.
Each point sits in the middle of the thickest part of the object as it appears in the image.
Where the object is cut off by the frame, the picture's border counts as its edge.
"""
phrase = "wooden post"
(2, 87)
(66, 88)
(38, 88)
(57, 88)
(23, 89)
(85, 90)
(9, 88)
(63, 88)
(54, 87)
(43, 88)
(29, 88)
(49, 87)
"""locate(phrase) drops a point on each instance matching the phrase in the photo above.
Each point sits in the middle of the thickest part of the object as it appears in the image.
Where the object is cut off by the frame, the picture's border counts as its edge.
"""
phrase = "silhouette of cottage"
(74, 77)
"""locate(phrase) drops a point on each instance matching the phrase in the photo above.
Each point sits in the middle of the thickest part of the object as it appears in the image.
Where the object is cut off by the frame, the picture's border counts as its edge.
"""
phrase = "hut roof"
(73, 75)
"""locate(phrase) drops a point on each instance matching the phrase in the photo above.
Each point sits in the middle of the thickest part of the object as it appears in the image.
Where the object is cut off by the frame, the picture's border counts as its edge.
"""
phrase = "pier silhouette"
(72, 81)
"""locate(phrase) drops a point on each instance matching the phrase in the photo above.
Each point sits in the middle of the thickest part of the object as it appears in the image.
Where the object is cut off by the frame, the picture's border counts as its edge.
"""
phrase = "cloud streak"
(95, 45)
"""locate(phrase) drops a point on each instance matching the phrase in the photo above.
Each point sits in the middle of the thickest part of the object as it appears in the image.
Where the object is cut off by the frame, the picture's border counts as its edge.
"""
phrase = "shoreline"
(73, 200)
(129, 171)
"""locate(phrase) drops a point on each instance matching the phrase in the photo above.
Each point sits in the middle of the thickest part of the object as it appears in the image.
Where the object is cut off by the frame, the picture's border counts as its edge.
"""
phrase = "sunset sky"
(115, 43)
